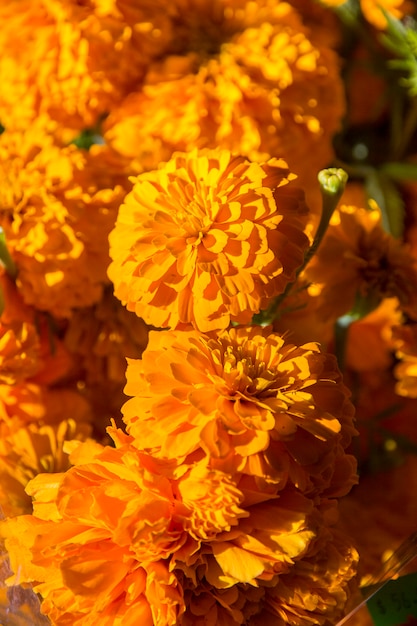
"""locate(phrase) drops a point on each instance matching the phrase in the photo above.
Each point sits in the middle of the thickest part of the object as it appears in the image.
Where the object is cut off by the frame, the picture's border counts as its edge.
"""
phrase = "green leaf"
(401, 39)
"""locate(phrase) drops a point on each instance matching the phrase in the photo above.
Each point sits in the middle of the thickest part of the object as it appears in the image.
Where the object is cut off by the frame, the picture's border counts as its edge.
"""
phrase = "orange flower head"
(57, 206)
(248, 77)
(247, 402)
(358, 265)
(96, 545)
(207, 239)
(177, 547)
(78, 60)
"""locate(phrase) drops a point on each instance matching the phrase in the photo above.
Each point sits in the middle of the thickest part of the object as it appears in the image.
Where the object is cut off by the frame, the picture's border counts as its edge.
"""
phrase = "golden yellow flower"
(245, 76)
(119, 537)
(206, 239)
(358, 265)
(57, 206)
(248, 402)
(78, 60)
(96, 546)
(234, 533)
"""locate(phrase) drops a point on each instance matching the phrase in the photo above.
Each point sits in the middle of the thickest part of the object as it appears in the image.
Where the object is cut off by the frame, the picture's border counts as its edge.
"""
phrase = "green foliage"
(401, 38)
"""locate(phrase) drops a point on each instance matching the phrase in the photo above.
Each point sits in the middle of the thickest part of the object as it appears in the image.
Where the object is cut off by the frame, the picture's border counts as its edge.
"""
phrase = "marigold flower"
(254, 82)
(242, 400)
(358, 265)
(56, 209)
(79, 61)
(206, 239)
(176, 548)
(96, 544)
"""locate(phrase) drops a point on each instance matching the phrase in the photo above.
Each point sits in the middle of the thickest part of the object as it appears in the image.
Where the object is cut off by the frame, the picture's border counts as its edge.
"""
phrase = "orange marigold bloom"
(120, 538)
(57, 206)
(358, 265)
(78, 60)
(248, 77)
(206, 239)
(248, 402)
(96, 545)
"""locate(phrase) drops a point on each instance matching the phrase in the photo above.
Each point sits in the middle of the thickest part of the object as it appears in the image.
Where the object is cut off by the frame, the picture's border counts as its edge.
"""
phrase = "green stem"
(332, 185)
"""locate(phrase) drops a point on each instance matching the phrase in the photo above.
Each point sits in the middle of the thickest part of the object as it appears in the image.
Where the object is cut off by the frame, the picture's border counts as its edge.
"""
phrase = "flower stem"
(332, 185)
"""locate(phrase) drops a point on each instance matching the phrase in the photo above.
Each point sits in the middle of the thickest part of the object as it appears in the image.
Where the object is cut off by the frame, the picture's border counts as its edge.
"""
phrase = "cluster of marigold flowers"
(199, 339)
